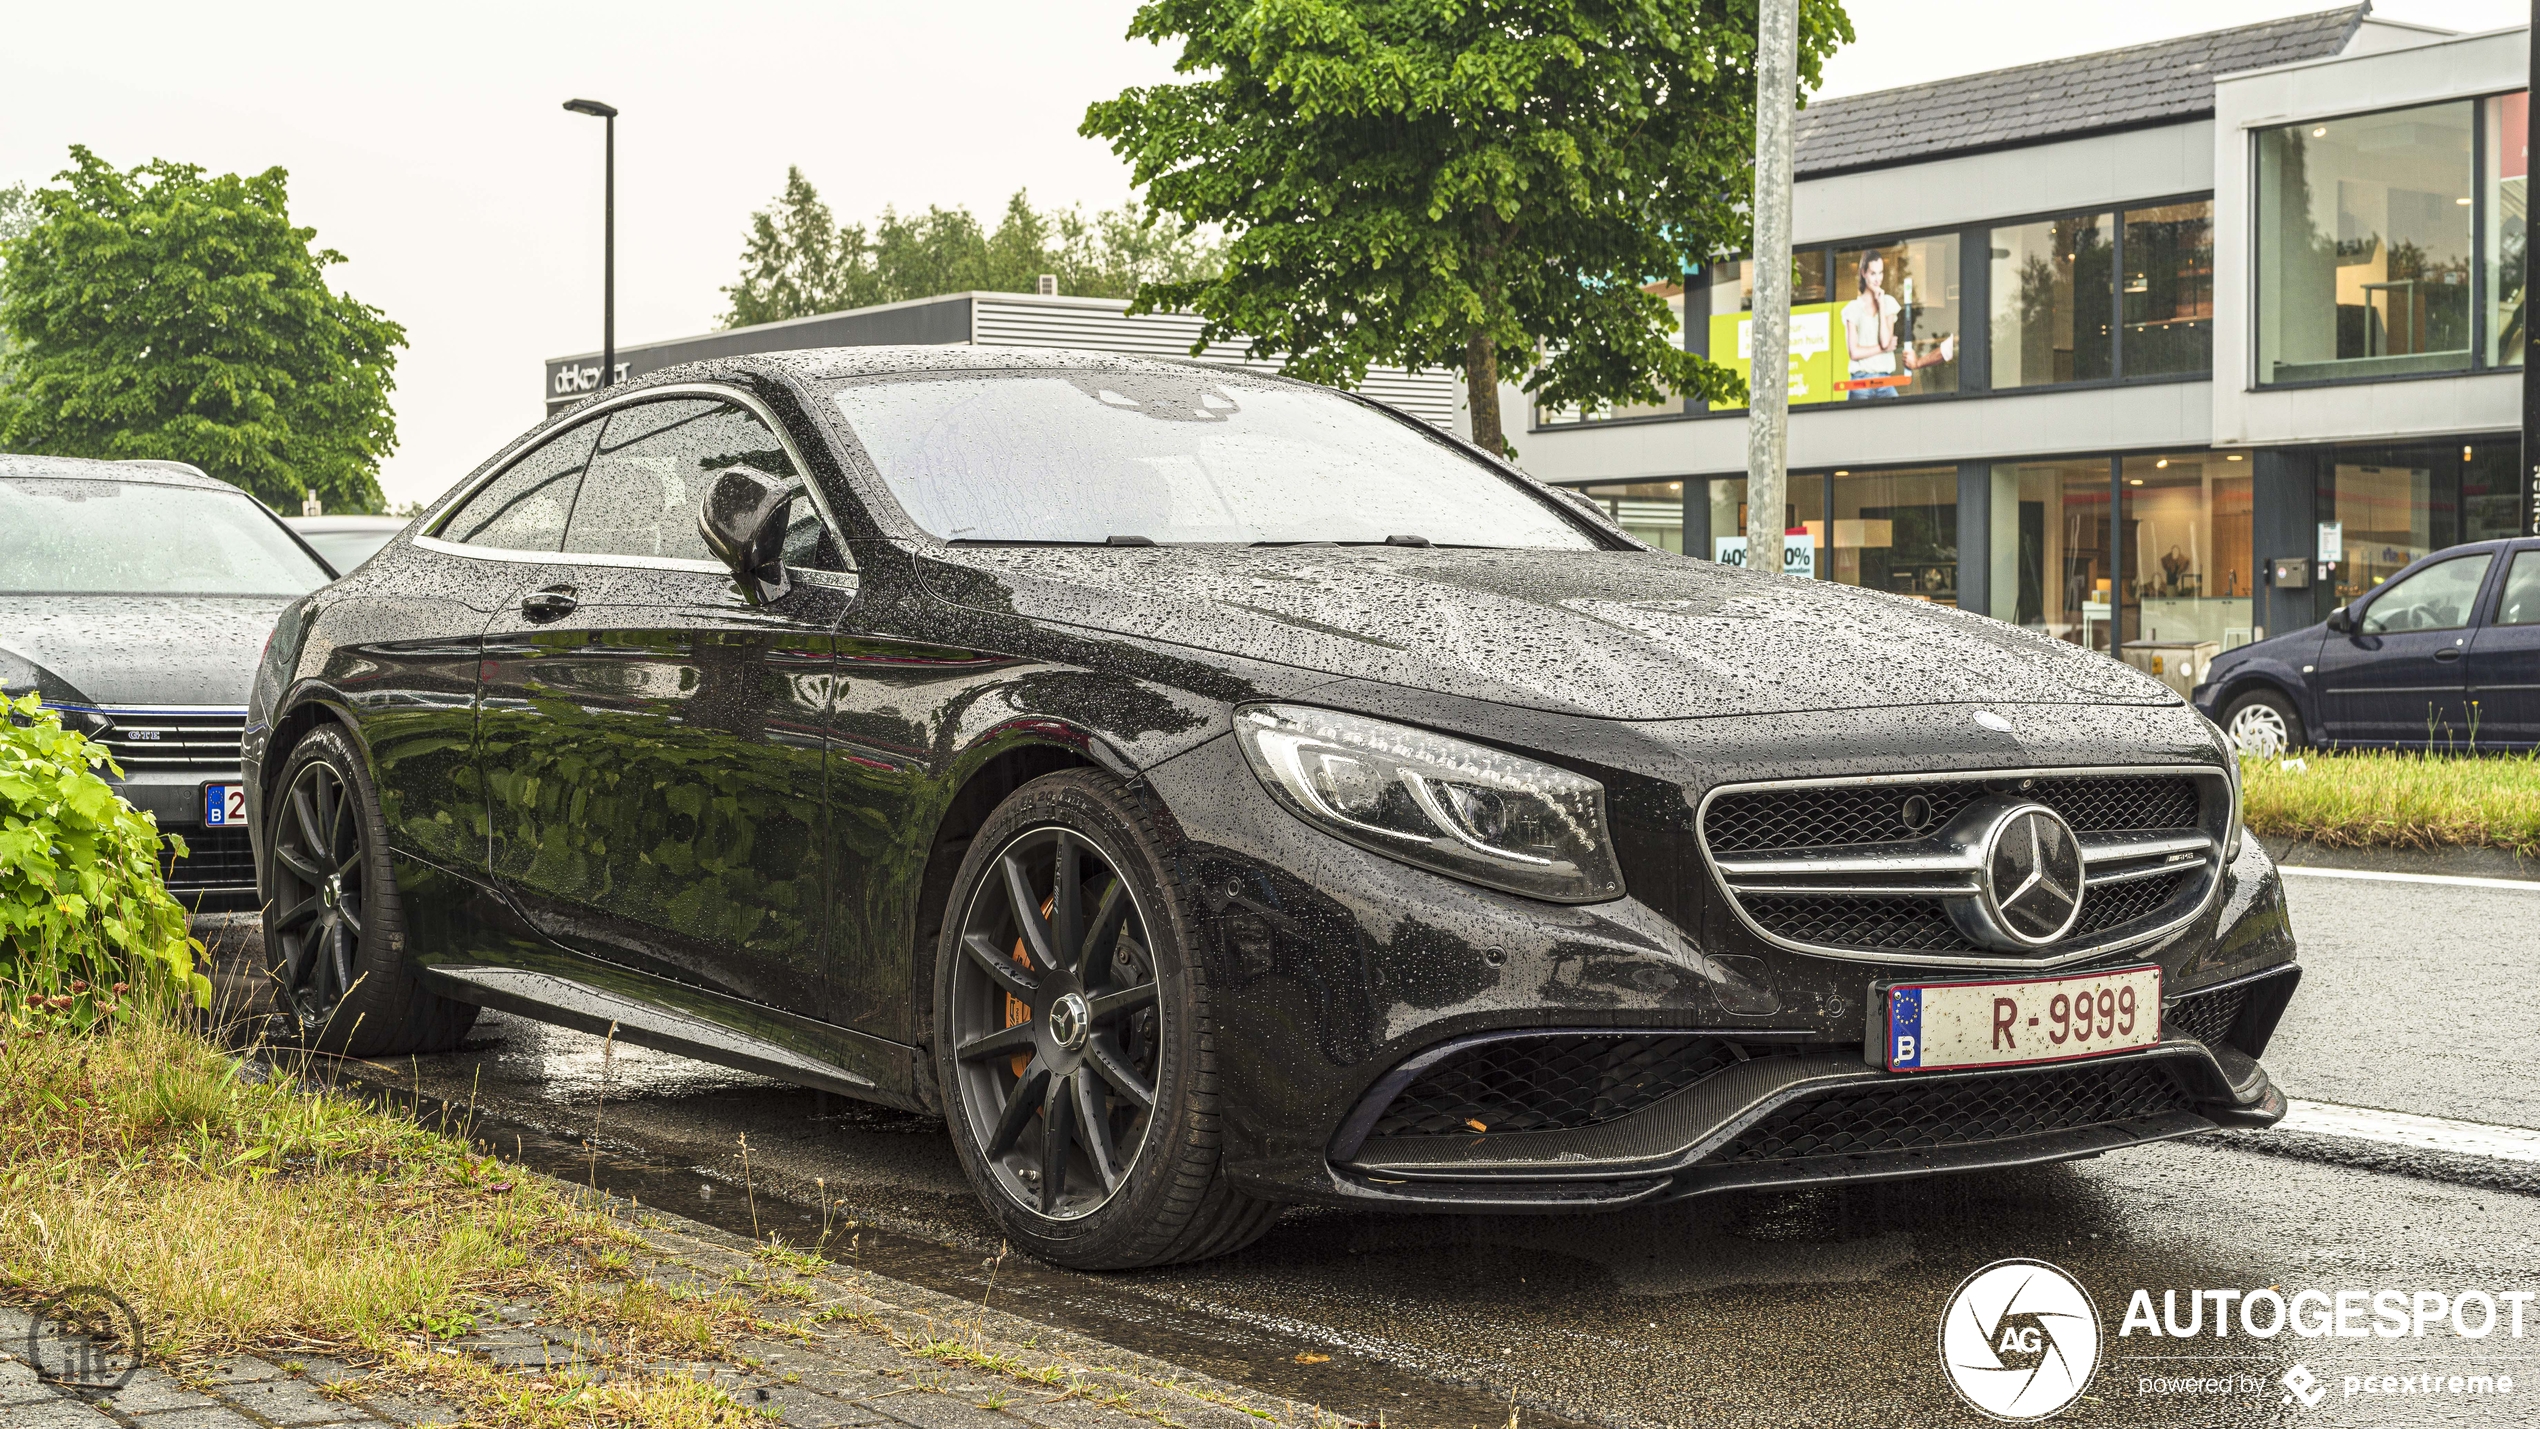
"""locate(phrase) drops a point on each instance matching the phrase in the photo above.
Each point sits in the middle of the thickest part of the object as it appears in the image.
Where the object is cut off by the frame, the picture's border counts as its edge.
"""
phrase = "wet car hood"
(141, 650)
(1614, 634)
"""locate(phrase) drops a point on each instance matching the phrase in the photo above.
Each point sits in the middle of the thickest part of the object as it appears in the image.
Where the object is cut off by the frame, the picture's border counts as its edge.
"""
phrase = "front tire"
(1072, 1037)
(335, 935)
(2263, 721)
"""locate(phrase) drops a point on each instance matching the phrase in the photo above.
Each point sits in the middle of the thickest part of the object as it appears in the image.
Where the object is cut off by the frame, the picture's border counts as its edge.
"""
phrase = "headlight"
(1462, 809)
(2231, 766)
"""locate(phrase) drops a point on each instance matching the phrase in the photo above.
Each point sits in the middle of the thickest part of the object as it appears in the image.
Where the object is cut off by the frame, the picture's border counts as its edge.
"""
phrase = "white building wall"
(2100, 171)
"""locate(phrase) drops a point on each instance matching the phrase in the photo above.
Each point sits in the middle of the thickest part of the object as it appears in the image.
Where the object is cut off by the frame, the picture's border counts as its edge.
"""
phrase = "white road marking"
(2377, 876)
(2425, 1133)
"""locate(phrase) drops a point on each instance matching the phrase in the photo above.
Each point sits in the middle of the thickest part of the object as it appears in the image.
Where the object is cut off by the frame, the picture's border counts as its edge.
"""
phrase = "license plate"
(1947, 1025)
(224, 806)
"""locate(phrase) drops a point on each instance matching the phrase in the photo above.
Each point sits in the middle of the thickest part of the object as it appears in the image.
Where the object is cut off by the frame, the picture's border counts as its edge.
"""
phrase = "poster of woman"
(1884, 354)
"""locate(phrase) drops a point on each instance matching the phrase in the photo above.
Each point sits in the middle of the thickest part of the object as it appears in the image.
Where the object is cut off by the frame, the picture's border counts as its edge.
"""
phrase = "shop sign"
(1799, 553)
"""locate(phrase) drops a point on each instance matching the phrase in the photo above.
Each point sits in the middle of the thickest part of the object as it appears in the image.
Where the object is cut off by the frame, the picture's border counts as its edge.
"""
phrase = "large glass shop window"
(1803, 516)
(1653, 511)
(2363, 261)
(2054, 514)
(1896, 531)
(2188, 573)
(2507, 183)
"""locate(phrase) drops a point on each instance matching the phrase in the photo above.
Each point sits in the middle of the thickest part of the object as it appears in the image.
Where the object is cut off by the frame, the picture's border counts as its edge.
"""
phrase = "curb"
(2455, 862)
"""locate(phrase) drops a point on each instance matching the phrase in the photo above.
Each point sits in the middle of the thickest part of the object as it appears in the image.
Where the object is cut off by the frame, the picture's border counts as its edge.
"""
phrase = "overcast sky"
(429, 147)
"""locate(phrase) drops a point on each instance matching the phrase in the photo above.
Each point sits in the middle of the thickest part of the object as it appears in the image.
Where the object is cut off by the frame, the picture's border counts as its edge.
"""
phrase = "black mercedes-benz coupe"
(133, 598)
(1209, 792)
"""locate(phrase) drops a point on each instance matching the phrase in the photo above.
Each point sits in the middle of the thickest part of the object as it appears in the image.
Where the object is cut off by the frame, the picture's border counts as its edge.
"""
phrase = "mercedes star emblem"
(2028, 880)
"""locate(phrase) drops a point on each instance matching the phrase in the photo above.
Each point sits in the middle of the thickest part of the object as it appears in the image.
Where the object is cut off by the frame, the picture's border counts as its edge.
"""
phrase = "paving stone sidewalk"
(846, 1349)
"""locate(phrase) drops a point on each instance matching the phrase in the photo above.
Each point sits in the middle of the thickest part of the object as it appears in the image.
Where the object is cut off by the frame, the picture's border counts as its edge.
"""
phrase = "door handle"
(2448, 655)
(553, 603)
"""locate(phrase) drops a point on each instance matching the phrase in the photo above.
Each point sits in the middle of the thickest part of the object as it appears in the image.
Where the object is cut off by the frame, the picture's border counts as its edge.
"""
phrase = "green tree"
(799, 260)
(1485, 185)
(164, 312)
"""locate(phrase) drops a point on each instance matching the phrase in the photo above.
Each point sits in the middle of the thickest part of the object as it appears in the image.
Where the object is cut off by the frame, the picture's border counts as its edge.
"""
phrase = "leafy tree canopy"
(165, 312)
(1487, 185)
(800, 260)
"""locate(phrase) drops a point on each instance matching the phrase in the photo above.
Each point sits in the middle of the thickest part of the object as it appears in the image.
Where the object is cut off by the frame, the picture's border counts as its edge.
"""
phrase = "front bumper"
(1333, 971)
(1810, 1114)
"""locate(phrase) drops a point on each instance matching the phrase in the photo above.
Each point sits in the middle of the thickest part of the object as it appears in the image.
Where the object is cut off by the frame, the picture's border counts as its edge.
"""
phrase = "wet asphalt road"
(1807, 1307)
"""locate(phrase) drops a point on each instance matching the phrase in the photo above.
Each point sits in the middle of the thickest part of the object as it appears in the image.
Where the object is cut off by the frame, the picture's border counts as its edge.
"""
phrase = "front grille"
(157, 739)
(1906, 1116)
(2113, 906)
(1874, 868)
(215, 858)
(2207, 1017)
(1882, 922)
(1853, 814)
(1554, 1083)
(1892, 923)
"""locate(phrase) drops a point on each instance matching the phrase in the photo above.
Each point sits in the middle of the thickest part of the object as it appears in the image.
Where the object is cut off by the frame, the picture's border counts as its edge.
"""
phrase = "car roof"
(80, 468)
(822, 364)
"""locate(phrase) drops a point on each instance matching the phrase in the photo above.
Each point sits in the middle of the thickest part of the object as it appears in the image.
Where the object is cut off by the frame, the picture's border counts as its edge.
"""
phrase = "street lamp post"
(608, 240)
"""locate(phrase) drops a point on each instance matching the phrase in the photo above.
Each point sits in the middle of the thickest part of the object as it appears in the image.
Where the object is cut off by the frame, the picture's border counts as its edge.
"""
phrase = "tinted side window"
(2436, 598)
(2521, 605)
(525, 508)
(649, 477)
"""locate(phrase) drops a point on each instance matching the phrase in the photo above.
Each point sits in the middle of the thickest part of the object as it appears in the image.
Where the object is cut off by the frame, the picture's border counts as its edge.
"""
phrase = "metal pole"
(1768, 379)
(608, 263)
(2530, 266)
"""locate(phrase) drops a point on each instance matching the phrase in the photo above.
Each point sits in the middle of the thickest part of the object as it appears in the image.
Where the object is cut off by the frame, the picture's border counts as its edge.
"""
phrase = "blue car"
(2446, 653)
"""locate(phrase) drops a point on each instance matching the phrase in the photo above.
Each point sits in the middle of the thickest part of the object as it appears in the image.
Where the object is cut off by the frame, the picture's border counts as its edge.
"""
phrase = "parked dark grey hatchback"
(134, 597)
(1210, 792)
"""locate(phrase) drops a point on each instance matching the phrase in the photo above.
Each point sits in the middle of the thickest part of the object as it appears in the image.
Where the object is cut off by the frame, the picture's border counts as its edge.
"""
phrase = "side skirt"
(694, 1023)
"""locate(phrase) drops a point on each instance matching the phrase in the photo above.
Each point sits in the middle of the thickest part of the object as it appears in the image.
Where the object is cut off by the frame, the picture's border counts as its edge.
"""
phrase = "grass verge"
(2396, 799)
(246, 1213)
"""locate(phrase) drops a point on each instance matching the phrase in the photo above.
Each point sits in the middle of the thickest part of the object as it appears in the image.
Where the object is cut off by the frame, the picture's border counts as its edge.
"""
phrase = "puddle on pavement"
(1253, 1352)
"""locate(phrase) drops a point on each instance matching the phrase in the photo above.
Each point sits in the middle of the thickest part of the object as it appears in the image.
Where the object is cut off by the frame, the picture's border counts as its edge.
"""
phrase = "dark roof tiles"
(2168, 81)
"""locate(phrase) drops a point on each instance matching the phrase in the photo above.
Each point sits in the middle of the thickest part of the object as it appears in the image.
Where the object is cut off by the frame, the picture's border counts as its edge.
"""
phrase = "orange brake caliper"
(1016, 1013)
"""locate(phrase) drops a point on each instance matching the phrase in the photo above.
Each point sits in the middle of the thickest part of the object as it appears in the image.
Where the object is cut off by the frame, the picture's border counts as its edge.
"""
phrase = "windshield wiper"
(1032, 541)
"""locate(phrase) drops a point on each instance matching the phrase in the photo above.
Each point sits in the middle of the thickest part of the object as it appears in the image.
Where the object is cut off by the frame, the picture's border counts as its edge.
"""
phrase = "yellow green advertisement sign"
(1812, 354)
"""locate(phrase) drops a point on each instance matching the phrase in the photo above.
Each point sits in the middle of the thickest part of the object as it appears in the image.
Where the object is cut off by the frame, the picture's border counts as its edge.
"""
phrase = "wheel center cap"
(331, 892)
(1071, 1020)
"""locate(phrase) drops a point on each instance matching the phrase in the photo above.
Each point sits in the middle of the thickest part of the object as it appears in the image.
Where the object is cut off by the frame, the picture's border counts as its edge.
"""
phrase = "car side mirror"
(743, 522)
(2342, 620)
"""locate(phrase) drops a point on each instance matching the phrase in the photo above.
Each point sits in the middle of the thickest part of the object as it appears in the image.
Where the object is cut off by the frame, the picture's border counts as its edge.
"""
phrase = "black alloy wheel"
(320, 865)
(335, 937)
(1056, 1024)
(1072, 1039)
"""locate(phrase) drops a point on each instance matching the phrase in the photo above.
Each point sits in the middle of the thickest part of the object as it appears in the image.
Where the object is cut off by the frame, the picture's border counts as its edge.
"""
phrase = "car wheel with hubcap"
(2263, 722)
(334, 930)
(1072, 1038)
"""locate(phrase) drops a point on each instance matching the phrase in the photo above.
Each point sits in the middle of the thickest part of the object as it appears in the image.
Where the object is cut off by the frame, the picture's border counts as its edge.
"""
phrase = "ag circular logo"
(85, 1338)
(2019, 1340)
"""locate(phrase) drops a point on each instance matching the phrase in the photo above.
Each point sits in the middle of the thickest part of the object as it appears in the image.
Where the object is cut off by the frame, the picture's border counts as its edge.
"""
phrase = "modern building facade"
(2162, 347)
(995, 320)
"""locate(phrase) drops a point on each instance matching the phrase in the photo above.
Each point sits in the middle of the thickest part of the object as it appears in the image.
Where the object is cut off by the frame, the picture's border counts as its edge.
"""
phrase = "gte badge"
(1904, 1028)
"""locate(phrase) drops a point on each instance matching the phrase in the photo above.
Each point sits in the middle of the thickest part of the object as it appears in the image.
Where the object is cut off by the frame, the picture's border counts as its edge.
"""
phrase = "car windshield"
(1091, 455)
(79, 537)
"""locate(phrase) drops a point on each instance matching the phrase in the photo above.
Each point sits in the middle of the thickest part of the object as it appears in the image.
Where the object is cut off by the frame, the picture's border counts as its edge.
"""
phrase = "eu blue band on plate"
(1905, 1027)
